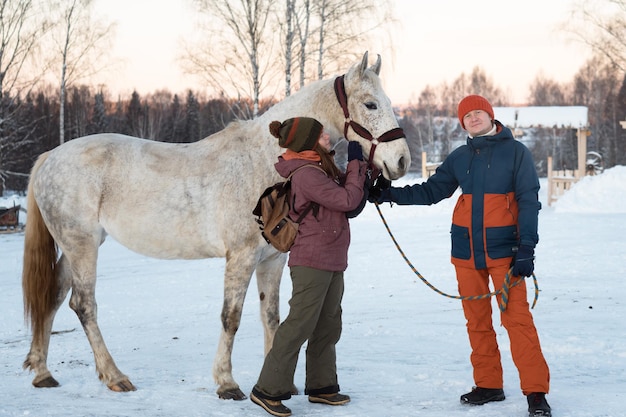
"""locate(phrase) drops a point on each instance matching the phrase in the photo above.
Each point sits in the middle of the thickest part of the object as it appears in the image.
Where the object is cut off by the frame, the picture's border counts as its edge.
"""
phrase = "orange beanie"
(473, 102)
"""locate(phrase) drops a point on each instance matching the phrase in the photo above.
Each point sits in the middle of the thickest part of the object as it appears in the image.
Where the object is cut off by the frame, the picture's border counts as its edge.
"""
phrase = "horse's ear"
(363, 65)
(376, 66)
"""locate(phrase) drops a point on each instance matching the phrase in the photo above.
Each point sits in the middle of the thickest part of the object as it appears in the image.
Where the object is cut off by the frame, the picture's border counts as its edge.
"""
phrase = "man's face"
(477, 122)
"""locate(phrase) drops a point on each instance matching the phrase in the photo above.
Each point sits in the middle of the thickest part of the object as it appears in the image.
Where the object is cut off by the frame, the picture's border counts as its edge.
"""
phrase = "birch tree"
(343, 27)
(21, 27)
(601, 25)
(238, 51)
(331, 33)
(289, 39)
(302, 27)
(230, 57)
(80, 44)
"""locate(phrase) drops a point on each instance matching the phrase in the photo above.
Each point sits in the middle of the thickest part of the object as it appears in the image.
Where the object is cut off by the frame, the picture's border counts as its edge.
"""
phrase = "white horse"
(126, 187)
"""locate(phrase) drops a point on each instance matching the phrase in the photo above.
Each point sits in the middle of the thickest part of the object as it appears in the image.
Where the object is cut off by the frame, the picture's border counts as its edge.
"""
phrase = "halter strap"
(342, 97)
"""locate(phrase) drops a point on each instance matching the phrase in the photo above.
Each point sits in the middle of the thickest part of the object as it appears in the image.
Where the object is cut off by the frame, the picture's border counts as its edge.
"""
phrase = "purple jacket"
(322, 241)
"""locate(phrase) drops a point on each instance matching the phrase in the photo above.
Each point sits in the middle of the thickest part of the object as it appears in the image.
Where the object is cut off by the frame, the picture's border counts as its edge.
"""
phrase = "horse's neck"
(315, 100)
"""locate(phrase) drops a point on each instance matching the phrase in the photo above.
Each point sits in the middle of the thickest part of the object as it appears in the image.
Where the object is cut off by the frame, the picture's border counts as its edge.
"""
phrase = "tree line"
(246, 48)
(430, 124)
(600, 85)
(162, 116)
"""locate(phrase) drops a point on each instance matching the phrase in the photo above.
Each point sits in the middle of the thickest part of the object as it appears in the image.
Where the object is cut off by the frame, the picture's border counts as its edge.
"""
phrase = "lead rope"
(504, 291)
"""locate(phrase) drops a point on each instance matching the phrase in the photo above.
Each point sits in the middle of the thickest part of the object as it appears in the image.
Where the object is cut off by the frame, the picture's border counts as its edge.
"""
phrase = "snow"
(546, 116)
(404, 350)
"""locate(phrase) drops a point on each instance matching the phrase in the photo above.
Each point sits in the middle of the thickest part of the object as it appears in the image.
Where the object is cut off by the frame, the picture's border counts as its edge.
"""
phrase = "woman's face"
(324, 140)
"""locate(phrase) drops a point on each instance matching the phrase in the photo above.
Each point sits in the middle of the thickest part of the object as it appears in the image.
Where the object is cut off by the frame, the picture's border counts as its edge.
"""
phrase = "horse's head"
(370, 120)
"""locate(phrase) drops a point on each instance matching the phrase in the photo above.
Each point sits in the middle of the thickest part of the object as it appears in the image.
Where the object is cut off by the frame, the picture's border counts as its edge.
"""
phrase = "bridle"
(342, 97)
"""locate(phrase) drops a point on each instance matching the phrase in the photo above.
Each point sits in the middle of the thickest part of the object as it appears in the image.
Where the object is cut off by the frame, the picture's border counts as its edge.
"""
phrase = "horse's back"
(156, 198)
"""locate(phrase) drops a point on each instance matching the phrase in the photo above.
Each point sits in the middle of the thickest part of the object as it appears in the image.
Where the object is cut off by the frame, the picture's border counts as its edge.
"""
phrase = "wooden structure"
(428, 169)
(560, 181)
(10, 219)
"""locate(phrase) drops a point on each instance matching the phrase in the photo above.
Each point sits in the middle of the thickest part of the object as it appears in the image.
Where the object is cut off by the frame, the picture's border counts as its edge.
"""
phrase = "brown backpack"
(272, 211)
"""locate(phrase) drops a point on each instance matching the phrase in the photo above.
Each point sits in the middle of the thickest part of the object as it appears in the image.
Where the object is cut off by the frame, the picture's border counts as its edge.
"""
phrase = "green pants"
(314, 315)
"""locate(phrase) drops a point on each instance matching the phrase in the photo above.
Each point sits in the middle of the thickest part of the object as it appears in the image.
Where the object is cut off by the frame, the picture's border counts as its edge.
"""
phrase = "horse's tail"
(39, 281)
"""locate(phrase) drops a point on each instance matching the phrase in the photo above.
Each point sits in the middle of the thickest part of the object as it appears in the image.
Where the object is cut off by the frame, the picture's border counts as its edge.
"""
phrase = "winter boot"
(275, 408)
(537, 405)
(330, 399)
(480, 396)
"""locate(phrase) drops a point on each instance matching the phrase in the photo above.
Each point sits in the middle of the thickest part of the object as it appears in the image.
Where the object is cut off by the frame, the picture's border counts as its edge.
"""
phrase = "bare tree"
(303, 15)
(547, 92)
(601, 24)
(159, 105)
(289, 38)
(477, 82)
(80, 44)
(344, 25)
(21, 27)
(325, 34)
(427, 102)
(234, 43)
(330, 32)
(596, 86)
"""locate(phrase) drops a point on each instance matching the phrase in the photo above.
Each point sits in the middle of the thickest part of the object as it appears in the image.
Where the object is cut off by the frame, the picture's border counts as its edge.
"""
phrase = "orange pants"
(518, 322)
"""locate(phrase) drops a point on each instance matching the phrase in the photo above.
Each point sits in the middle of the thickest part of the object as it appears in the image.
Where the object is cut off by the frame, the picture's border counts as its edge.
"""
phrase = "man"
(494, 228)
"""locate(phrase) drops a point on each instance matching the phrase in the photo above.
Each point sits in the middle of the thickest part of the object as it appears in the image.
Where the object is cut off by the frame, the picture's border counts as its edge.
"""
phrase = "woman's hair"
(328, 162)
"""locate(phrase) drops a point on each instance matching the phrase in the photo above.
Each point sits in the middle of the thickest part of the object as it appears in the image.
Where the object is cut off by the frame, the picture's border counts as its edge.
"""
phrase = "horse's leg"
(238, 272)
(269, 272)
(37, 357)
(83, 302)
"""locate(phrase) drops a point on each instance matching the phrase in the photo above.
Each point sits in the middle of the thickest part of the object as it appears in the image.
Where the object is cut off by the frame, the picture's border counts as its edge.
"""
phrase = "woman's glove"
(354, 151)
(523, 263)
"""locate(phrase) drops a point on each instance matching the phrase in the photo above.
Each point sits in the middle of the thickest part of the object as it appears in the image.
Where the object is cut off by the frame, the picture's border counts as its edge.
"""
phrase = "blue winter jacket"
(499, 206)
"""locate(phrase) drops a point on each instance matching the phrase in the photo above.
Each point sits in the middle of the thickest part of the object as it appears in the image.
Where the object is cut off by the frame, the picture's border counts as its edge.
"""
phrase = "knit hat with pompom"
(298, 134)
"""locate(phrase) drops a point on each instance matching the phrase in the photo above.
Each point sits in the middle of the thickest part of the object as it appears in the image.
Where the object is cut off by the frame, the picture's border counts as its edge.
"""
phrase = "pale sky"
(436, 41)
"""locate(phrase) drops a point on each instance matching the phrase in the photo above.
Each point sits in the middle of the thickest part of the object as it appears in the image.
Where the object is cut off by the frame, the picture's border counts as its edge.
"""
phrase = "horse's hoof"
(122, 386)
(48, 382)
(232, 394)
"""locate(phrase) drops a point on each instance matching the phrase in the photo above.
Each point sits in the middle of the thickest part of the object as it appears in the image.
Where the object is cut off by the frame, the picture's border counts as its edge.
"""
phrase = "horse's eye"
(371, 105)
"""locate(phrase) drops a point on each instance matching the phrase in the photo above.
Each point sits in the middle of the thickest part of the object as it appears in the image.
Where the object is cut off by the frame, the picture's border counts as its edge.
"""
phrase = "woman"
(317, 261)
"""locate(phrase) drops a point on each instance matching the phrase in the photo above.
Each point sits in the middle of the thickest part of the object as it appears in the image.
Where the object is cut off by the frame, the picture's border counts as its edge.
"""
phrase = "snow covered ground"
(404, 349)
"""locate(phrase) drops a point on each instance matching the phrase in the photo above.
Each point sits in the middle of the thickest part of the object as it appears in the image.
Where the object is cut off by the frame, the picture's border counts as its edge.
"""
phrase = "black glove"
(354, 151)
(379, 191)
(382, 182)
(523, 263)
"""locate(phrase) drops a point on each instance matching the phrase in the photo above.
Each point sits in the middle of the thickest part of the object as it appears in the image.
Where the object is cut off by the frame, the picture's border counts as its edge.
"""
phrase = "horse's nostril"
(401, 165)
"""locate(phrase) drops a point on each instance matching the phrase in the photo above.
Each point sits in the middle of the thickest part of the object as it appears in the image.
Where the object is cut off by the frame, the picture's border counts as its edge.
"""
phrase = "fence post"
(550, 179)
